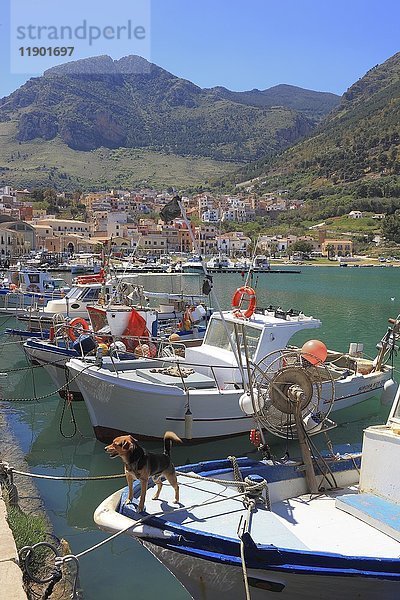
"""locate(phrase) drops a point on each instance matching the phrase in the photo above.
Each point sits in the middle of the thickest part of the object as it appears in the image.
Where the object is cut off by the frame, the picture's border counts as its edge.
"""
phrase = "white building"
(67, 226)
(233, 243)
(116, 222)
(211, 215)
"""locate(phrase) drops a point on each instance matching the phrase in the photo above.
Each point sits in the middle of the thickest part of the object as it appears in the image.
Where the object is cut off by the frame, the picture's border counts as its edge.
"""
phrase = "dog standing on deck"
(142, 465)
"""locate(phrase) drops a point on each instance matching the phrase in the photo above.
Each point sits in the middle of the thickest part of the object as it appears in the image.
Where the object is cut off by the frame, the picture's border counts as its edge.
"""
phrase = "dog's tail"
(169, 437)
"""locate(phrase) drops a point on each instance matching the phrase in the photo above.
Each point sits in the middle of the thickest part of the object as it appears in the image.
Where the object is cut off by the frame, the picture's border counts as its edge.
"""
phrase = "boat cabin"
(34, 281)
(378, 500)
(220, 262)
(79, 296)
(261, 262)
(264, 332)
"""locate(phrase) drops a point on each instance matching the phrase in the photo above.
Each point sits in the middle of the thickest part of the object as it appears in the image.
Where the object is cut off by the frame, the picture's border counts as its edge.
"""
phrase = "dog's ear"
(127, 445)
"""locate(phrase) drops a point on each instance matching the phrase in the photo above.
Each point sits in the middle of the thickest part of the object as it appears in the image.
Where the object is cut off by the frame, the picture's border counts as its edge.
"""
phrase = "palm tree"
(274, 249)
(330, 250)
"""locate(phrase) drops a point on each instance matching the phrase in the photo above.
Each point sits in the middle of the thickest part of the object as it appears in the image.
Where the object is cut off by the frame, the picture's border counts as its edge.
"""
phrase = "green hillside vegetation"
(131, 103)
(345, 225)
(355, 153)
(99, 123)
(315, 105)
(52, 164)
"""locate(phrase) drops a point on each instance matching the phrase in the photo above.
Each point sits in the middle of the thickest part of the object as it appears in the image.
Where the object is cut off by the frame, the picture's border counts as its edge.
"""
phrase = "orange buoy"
(244, 292)
(314, 351)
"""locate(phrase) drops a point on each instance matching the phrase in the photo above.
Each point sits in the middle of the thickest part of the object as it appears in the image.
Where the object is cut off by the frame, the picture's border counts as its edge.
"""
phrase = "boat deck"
(304, 523)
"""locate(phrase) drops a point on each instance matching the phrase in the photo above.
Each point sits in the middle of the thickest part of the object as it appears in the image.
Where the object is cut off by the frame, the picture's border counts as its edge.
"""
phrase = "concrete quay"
(10, 573)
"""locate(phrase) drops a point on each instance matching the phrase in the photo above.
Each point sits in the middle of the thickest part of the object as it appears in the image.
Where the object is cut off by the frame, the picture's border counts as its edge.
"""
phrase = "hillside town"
(128, 221)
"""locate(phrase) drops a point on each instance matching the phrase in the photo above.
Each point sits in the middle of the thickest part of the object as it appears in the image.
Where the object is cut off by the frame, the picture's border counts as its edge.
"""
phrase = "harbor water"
(354, 305)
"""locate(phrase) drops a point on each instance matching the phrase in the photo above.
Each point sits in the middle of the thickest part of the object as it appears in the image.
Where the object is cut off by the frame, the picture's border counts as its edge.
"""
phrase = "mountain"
(355, 151)
(100, 105)
(315, 105)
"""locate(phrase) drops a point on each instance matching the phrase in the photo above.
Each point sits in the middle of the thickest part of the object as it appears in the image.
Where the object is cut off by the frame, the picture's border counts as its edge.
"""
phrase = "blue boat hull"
(209, 565)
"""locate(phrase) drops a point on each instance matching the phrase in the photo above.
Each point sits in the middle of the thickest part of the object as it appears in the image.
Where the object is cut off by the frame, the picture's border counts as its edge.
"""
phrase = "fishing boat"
(318, 527)
(73, 304)
(261, 263)
(193, 264)
(119, 330)
(220, 263)
(86, 290)
(200, 392)
(109, 328)
(27, 286)
(85, 263)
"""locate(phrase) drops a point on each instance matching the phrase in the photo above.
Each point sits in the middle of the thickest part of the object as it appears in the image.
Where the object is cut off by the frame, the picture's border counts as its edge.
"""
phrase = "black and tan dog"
(142, 465)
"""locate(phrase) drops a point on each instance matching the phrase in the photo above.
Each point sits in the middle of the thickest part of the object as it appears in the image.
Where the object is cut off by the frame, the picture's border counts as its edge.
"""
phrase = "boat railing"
(165, 353)
(16, 301)
(34, 301)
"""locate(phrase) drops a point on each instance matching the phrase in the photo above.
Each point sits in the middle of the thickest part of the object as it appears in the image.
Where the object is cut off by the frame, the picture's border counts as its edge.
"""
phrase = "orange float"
(314, 351)
(244, 293)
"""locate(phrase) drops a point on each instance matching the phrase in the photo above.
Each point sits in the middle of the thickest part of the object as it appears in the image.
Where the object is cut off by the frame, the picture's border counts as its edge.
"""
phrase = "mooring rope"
(60, 560)
(53, 393)
(26, 551)
(12, 471)
(248, 486)
(245, 529)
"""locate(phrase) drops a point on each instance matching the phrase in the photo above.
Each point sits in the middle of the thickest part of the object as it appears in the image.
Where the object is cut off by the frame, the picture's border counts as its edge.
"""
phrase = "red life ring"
(237, 301)
(73, 331)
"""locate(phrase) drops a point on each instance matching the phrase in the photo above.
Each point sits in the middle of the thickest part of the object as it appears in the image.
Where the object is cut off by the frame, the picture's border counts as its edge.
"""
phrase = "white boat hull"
(128, 403)
(148, 410)
(206, 580)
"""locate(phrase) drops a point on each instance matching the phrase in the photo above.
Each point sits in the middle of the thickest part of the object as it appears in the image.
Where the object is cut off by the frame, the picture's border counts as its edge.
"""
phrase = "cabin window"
(217, 336)
(92, 294)
(34, 278)
(74, 293)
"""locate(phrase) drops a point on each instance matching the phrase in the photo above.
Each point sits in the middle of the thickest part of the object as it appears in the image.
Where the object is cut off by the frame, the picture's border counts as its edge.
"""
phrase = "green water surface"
(353, 304)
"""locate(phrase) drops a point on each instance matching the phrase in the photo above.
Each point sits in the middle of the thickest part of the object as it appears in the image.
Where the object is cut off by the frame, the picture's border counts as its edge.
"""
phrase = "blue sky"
(318, 44)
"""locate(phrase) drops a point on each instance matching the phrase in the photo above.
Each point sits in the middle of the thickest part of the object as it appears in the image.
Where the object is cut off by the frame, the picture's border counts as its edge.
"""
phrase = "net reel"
(292, 396)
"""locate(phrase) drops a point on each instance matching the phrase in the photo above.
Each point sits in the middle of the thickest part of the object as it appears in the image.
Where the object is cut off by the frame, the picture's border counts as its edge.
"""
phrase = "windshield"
(74, 292)
(58, 283)
(217, 336)
(91, 294)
